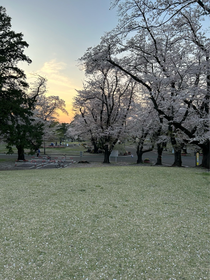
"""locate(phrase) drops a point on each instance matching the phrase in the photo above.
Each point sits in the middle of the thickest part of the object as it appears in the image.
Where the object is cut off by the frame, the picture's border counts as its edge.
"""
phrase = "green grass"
(2, 148)
(64, 150)
(105, 223)
(75, 150)
(2, 160)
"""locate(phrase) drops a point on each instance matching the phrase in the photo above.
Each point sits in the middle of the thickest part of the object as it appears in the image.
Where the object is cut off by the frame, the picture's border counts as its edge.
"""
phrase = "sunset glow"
(58, 84)
(58, 34)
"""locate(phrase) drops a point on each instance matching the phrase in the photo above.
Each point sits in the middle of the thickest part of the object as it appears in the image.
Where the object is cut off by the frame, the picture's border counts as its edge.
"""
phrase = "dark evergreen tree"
(16, 122)
(11, 77)
(61, 131)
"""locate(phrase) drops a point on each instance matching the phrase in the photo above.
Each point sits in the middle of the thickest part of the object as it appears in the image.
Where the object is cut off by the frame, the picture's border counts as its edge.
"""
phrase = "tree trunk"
(95, 148)
(21, 155)
(140, 153)
(106, 154)
(206, 155)
(160, 151)
(177, 157)
(177, 152)
(139, 156)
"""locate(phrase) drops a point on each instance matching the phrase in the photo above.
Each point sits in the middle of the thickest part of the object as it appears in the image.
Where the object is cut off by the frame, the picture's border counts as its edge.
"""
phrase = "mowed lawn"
(131, 222)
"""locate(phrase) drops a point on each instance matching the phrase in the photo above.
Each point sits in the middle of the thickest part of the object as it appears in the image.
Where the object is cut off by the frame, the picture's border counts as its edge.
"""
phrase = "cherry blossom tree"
(104, 104)
(139, 128)
(143, 125)
(159, 12)
(46, 111)
(76, 129)
(170, 60)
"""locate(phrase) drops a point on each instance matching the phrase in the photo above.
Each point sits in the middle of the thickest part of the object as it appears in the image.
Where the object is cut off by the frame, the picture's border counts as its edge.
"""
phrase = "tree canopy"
(162, 46)
(104, 104)
(12, 78)
(16, 106)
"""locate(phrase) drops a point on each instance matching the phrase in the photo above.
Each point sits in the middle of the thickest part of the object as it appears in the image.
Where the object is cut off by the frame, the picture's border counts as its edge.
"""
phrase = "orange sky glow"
(59, 84)
(63, 118)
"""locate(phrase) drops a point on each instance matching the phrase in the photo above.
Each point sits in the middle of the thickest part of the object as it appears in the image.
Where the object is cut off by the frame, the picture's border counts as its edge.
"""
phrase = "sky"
(58, 33)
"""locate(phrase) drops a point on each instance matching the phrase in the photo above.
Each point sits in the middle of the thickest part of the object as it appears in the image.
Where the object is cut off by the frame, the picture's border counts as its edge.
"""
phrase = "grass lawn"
(75, 150)
(70, 150)
(105, 223)
(2, 160)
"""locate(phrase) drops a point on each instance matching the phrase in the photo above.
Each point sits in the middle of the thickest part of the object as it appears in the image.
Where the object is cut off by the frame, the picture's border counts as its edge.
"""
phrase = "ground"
(9, 163)
(112, 222)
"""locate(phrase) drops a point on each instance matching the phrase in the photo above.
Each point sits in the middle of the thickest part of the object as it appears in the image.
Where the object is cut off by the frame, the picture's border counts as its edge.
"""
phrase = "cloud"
(55, 73)
(53, 66)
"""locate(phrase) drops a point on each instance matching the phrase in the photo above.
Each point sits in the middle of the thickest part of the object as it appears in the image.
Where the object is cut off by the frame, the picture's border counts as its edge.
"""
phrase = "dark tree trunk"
(160, 151)
(177, 157)
(21, 155)
(95, 148)
(140, 152)
(177, 152)
(206, 155)
(106, 154)
(139, 156)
